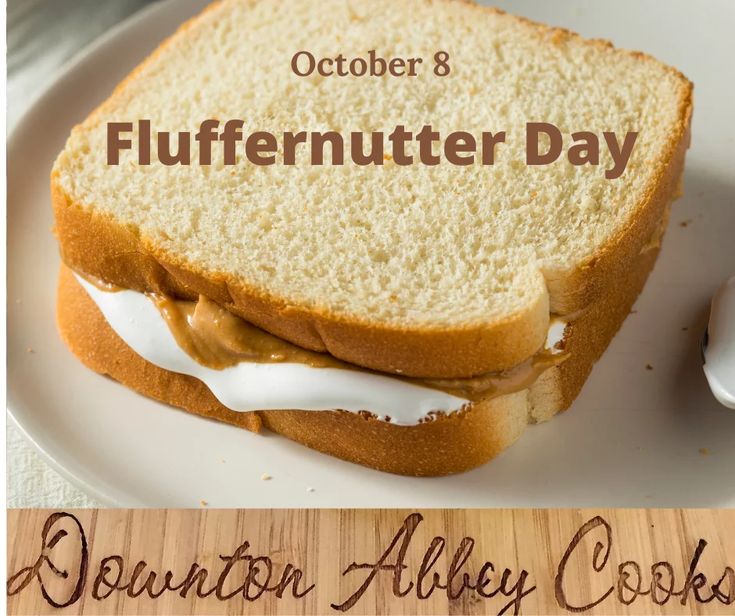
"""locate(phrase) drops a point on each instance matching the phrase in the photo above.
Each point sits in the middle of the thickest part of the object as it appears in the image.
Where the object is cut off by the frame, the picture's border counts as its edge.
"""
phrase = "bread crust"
(95, 243)
(449, 444)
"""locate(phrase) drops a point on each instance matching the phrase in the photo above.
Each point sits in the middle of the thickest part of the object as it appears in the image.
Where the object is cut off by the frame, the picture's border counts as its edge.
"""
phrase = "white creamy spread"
(556, 333)
(251, 386)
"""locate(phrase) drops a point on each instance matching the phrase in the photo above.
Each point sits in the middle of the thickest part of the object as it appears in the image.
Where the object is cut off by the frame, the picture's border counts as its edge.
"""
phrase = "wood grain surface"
(371, 561)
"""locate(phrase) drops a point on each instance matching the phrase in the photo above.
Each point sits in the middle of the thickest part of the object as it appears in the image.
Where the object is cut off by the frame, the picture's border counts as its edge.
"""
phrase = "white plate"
(635, 437)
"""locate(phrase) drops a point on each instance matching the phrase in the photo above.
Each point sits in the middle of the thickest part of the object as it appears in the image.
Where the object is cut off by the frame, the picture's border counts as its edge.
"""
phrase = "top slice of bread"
(439, 271)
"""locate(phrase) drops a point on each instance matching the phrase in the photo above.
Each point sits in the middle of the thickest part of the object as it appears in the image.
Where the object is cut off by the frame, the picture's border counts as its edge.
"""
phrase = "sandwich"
(413, 318)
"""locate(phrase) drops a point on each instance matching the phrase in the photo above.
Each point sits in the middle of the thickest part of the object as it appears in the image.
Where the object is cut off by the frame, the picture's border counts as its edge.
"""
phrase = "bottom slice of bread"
(445, 445)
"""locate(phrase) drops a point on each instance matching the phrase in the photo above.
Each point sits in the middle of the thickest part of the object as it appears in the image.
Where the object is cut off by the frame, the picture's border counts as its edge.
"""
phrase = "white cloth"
(43, 35)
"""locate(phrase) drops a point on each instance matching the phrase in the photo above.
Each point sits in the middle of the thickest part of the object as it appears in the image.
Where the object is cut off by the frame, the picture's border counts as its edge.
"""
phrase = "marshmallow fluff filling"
(251, 386)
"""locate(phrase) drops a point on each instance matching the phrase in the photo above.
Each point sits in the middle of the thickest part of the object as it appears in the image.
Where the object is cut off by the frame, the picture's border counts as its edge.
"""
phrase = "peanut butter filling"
(102, 285)
(216, 338)
(494, 384)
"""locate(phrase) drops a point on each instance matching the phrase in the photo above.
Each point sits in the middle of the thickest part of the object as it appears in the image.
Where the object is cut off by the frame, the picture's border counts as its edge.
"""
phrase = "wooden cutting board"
(371, 561)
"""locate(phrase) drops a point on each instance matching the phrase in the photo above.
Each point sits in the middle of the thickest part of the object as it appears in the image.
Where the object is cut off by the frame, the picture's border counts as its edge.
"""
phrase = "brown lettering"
(534, 130)
(620, 154)
(115, 143)
(586, 149)
(260, 148)
(398, 138)
(318, 141)
(458, 143)
(183, 154)
(600, 556)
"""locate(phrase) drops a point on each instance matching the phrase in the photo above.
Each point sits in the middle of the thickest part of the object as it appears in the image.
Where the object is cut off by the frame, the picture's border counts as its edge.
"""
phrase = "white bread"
(448, 444)
(429, 271)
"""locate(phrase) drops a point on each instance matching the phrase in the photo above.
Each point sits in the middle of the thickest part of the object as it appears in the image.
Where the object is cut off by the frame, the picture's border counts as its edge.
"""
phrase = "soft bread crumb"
(414, 245)
(265, 477)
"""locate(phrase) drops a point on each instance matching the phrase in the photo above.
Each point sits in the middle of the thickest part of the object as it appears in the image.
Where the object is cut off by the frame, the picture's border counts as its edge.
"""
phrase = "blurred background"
(43, 34)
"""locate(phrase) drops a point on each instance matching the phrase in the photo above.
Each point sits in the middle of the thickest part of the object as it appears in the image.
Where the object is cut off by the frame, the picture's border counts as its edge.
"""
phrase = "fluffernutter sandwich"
(411, 317)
